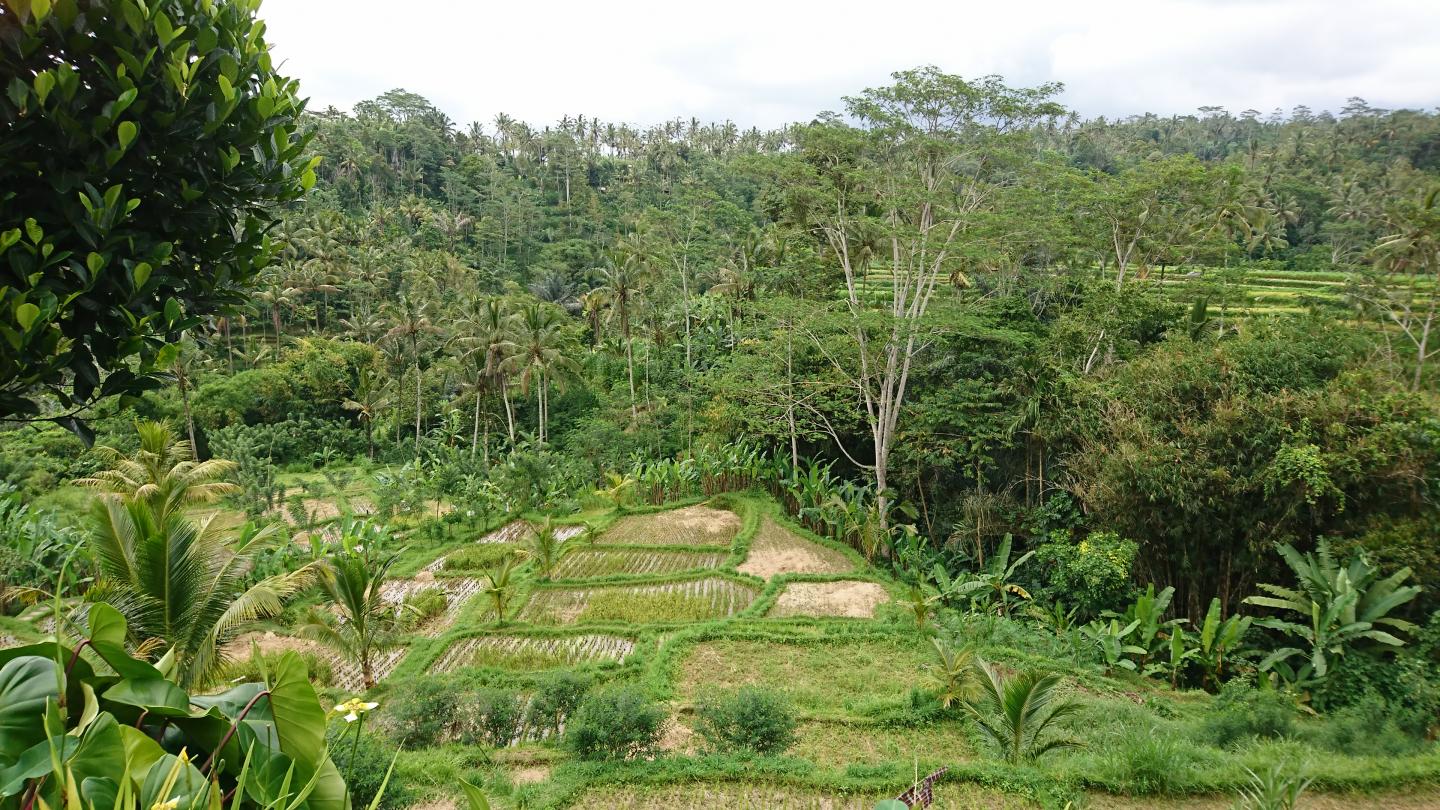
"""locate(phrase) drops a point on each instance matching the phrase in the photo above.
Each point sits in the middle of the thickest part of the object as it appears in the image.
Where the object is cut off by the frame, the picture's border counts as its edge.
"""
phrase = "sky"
(770, 62)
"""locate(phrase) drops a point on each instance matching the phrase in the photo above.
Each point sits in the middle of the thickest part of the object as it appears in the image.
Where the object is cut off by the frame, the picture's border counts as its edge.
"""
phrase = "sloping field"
(527, 653)
(691, 526)
(607, 562)
(691, 600)
(846, 599)
(777, 550)
(457, 592)
(515, 533)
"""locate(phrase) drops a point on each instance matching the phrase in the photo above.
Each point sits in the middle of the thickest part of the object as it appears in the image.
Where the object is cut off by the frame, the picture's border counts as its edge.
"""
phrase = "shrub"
(1242, 713)
(1371, 725)
(424, 712)
(478, 557)
(556, 699)
(423, 605)
(1147, 760)
(492, 717)
(365, 773)
(749, 719)
(1094, 574)
(618, 722)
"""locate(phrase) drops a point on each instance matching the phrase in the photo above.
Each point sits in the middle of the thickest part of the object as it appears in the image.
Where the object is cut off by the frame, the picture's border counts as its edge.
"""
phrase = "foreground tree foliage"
(144, 148)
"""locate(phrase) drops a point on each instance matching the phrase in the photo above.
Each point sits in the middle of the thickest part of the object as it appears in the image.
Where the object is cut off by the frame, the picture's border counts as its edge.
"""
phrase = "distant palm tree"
(485, 326)
(541, 356)
(410, 319)
(500, 584)
(624, 279)
(366, 399)
(162, 473)
(546, 548)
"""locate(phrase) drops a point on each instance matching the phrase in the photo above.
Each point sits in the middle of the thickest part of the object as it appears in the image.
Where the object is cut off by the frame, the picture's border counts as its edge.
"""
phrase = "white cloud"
(767, 63)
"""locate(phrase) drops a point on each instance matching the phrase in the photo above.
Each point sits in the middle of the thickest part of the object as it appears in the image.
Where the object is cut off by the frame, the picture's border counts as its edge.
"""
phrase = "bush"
(1244, 713)
(557, 697)
(478, 557)
(367, 771)
(424, 712)
(749, 719)
(1094, 574)
(618, 722)
(423, 605)
(492, 717)
(1371, 725)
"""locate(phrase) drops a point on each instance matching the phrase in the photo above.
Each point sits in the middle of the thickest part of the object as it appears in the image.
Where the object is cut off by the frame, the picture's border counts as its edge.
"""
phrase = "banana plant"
(1147, 613)
(1339, 608)
(1110, 639)
(994, 584)
(1220, 643)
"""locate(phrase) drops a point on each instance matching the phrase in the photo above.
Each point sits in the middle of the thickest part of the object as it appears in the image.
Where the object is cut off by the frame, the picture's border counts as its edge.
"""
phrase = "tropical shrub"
(365, 761)
(1093, 575)
(749, 719)
(616, 722)
(424, 712)
(556, 697)
(492, 716)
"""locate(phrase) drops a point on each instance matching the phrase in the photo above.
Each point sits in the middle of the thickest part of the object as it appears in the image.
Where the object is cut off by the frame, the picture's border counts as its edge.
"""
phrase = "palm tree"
(952, 676)
(546, 548)
(183, 581)
(1016, 713)
(500, 584)
(163, 474)
(624, 279)
(354, 582)
(366, 399)
(541, 355)
(411, 319)
(485, 326)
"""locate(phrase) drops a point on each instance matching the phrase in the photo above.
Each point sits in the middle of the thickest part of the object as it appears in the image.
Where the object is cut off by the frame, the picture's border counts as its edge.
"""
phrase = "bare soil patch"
(691, 526)
(777, 550)
(854, 600)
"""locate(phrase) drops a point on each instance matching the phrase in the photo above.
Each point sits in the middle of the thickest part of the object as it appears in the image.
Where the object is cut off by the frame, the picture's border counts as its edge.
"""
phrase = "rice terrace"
(652, 414)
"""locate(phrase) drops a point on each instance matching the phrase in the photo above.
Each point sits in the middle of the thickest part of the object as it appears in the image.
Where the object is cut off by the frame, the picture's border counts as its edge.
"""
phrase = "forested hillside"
(947, 428)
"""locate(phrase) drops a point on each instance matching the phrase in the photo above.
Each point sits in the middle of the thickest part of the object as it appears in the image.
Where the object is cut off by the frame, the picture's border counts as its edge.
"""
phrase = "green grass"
(832, 678)
(601, 562)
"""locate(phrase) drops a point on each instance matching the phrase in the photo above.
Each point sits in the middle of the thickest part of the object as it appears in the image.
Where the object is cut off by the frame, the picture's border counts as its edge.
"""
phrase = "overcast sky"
(770, 62)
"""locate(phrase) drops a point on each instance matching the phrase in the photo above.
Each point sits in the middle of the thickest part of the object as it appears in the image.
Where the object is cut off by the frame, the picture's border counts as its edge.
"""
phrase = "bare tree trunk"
(418, 387)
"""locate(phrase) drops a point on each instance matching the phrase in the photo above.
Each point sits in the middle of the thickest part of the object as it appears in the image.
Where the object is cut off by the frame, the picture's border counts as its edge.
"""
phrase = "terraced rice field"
(527, 653)
(457, 592)
(514, 532)
(845, 599)
(691, 526)
(692, 600)
(639, 562)
(777, 550)
(345, 674)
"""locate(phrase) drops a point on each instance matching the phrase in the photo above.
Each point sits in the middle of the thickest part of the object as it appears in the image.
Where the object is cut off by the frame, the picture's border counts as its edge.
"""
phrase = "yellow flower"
(170, 805)
(353, 708)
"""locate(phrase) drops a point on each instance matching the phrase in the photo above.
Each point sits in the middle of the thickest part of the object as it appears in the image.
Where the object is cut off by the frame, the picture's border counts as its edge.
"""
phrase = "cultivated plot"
(345, 674)
(691, 526)
(530, 653)
(820, 677)
(513, 533)
(776, 550)
(608, 562)
(457, 591)
(692, 600)
(851, 599)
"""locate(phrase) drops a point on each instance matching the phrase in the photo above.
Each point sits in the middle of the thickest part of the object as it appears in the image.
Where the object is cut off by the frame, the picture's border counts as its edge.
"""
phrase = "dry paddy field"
(527, 653)
(851, 599)
(777, 550)
(690, 526)
(458, 591)
(639, 562)
(691, 600)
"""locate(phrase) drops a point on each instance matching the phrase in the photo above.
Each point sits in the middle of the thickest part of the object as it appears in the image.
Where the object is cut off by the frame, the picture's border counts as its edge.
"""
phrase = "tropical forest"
(950, 447)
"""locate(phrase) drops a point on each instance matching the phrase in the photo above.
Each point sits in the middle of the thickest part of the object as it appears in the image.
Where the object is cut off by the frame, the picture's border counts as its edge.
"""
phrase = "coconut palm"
(369, 396)
(411, 325)
(183, 581)
(546, 548)
(484, 327)
(163, 474)
(624, 279)
(354, 581)
(952, 676)
(541, 356)
(1017, 713)
(500, 584)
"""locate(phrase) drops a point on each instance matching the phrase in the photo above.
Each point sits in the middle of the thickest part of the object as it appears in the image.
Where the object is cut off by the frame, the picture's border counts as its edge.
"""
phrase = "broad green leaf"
(26, 685)
(477, 801)
(154, 695)
(296, 711)
(125, 133)
(26, 314)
